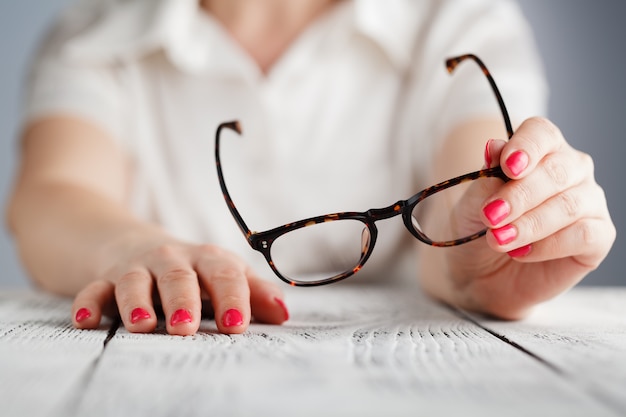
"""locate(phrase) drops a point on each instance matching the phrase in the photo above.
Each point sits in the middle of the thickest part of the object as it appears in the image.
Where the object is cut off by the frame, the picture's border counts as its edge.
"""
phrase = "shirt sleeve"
(60, 84)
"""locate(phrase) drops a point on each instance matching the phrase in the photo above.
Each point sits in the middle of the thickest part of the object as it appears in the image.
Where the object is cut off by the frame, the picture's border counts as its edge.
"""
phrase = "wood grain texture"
(44, 361)
(347, 350)
(582, 334)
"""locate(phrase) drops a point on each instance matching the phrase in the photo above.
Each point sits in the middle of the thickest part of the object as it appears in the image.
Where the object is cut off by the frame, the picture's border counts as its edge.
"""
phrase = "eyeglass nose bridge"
(375, 214)
(404, 208)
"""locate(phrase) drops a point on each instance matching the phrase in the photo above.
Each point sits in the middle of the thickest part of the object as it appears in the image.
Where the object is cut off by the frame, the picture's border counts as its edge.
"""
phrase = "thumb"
(493, 150)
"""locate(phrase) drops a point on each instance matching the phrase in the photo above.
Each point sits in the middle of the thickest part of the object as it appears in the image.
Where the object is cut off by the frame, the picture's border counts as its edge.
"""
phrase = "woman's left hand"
(548, 227)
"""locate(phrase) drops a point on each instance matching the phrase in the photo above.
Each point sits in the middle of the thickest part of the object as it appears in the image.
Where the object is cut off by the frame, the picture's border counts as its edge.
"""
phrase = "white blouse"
(347, 119)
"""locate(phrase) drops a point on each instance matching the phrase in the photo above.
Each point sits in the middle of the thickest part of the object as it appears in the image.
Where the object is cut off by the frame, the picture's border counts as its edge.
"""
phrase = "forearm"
(446, 273)
(68, 235)
(433, 274)
(435, 271)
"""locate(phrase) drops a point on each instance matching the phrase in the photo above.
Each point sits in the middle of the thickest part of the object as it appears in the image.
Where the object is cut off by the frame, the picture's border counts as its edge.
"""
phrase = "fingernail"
(496, 211)
(180, 316)
(281, 303)
(82, 314)
(519, 252)
(232, 318)
(505, 234)
(138, 314)
(488, 154)
(517, 162)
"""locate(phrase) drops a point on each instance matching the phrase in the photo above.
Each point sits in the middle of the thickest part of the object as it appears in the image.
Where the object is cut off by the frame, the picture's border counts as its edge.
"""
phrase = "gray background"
(582, 42)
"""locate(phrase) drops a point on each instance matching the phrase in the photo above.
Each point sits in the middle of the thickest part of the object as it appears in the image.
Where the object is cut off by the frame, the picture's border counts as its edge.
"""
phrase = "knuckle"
(99, 285)
(220, 262)
(588, 234)
(166, 251)
(586, 161)
(129, 286)
(601, 195)
(570, 204)
(211, 250)
(533, 224)
(226, 273)
(210, 255)
(177, 277)
(537, 134)
(182, 300)
(556, 171)
(132, 277)
(595, 243)
(523, 194)
(233, 300)
(546, 125)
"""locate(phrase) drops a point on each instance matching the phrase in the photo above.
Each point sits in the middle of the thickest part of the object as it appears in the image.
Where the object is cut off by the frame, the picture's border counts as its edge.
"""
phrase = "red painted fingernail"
(232, 318)
(496, 211)
(281, 303)
(180, 316)
(138, 314)
(519, 252)
(82, 314)
(488, 154)
(505, 234)
(517, 162)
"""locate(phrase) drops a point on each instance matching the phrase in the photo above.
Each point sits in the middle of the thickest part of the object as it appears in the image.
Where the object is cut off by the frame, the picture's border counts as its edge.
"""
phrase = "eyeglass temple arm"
(452, 63)
(233, 125)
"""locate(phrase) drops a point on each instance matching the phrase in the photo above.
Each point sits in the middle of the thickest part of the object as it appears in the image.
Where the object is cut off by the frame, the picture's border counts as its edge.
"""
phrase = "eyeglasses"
(329, 248)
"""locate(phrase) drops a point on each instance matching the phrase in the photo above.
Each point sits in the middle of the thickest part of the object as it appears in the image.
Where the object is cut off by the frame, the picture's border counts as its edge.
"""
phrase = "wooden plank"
(583, 334)
(348, 350)
(43, 360)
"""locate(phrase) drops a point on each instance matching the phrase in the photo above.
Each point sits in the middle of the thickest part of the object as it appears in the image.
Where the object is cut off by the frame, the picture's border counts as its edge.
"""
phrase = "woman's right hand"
(175, 276)
(76, 236)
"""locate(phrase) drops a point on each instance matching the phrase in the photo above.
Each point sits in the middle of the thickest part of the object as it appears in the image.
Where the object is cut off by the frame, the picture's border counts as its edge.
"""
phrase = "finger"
(534, 139)
(580, 247)
(493, 150)
(90, 302)
(179, 290)
(556, 173)
(133, 293)
(556, 213)
(567, 256)
(267, 301)
(223, 276)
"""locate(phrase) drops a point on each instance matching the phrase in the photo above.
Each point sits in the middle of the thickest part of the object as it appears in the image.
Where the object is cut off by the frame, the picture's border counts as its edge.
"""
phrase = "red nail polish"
(517, 162)
(496, 211)
(82, 314)
(138, 314)
(519, 252)
(232, 318)
(488, 154)
(281, 303)
(180, 316)
(505, 234)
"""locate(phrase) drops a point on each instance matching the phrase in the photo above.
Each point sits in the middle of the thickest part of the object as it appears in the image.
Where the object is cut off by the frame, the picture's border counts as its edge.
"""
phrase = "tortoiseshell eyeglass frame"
(262, 241)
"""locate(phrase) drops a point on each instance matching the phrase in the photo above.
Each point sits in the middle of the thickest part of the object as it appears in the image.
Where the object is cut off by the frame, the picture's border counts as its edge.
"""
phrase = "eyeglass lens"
(321, 250)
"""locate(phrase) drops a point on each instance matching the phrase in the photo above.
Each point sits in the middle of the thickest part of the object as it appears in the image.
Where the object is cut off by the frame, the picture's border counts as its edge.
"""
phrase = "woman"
(345, 104)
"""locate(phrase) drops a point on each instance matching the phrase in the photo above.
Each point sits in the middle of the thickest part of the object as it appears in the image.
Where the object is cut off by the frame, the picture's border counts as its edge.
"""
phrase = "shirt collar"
(393, 25)
(134, 28)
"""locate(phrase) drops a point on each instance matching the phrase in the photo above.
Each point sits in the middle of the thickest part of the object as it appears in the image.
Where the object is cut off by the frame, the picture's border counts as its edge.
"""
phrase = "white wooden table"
(348, 350)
